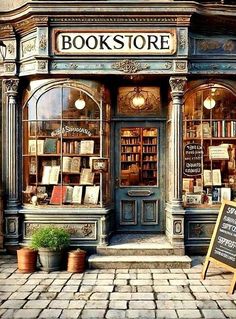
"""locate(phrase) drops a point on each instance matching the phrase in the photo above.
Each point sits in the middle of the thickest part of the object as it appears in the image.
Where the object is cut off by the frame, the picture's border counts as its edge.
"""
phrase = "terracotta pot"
(27, 259)
(76, 261)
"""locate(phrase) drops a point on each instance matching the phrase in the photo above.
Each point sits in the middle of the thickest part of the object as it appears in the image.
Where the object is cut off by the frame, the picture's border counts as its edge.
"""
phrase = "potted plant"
(51, 242)
(27, 259)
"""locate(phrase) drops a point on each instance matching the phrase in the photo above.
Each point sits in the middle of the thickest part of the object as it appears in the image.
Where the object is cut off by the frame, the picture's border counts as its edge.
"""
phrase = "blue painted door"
(139, 176)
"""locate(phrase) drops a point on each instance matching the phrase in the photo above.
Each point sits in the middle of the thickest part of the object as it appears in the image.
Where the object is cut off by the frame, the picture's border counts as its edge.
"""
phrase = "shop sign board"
(193, 159)
(115, 42)
(222, 249)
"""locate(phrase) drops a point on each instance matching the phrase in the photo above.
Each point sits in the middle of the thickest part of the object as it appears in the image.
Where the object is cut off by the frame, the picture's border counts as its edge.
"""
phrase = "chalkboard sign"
(192, 159)
(222, 249)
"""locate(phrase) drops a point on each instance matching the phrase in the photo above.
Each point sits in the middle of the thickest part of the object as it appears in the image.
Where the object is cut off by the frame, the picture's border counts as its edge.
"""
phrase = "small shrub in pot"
(51, 242)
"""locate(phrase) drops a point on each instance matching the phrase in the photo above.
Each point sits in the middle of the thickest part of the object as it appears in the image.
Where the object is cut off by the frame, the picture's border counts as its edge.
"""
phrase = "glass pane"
(70, 100)
(49, 105)
(139, 151)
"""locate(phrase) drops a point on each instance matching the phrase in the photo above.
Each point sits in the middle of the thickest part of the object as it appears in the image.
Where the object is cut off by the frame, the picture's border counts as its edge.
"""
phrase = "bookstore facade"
(117, 124)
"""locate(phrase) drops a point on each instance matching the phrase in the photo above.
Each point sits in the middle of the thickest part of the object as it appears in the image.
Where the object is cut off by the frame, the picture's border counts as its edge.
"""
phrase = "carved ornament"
(129, 66)
(43, 42)
(178, 227)
(28, 47)
(11, 85)
(159, 20)
(182, 40)
(9, 67)
(177, 84)
(181, 66)
(11, 48)
(206, 45)
(42, 65)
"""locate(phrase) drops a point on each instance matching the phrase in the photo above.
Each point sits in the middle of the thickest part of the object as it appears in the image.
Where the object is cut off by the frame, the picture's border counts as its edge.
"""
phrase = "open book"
(212, 177)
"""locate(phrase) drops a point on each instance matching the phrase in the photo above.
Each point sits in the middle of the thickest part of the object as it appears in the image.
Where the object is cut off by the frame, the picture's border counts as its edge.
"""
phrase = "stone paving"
(115, 293)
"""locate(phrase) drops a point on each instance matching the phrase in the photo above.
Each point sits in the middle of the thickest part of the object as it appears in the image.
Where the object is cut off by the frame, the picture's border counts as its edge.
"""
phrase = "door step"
(138, 251)
(131, 262)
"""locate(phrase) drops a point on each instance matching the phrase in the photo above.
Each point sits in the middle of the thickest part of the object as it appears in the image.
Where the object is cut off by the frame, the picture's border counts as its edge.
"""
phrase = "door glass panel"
(138, 156)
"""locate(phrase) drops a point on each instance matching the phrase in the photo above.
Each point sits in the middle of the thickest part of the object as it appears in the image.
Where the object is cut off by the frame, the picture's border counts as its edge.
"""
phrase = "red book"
(58, 195)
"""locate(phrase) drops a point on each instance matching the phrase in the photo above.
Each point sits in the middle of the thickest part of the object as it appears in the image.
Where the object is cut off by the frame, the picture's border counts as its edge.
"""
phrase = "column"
(174, 209)
(11, 165)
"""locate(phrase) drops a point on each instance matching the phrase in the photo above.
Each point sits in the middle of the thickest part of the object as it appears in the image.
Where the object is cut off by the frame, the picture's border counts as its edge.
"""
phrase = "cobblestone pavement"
(115, 294)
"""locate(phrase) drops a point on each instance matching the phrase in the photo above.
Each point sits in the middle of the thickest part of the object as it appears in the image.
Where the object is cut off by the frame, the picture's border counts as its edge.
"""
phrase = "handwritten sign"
(222, 249)
(193, 159)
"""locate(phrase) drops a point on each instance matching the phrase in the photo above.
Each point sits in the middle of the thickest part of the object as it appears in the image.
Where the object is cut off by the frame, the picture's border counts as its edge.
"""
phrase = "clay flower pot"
(27, 259)
(76, 261)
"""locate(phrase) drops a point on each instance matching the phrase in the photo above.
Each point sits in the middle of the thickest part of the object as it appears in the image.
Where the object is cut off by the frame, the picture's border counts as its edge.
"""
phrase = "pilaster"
(11, 165)
(174, 208)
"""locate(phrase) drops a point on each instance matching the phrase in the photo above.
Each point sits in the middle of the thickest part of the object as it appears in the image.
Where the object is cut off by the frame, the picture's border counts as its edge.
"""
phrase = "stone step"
(129, 250)
(131, 262)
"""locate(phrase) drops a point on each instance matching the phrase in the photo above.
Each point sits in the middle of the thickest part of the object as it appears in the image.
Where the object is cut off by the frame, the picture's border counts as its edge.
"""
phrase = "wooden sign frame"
(209, 257)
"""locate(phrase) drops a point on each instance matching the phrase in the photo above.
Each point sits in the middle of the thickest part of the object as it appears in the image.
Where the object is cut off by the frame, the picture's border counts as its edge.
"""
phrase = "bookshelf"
(138, 156)
(209, 174)
(58, 148)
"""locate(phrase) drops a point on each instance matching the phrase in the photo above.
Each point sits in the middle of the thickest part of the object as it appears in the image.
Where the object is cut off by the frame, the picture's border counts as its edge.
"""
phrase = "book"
(50, 146)
(66, 164)
(86, 147)
(212, 177)
(225, 193)
(36, 147)
(219, 152)
(75, 164)
(77, 195)
(86, 177)
(58, 195)
(33, 166)
(50, 174)
(69, 193)
(91, 195)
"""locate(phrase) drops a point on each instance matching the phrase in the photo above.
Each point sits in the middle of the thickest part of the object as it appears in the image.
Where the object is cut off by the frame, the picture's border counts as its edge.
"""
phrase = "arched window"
(62, 143)
(209, 133)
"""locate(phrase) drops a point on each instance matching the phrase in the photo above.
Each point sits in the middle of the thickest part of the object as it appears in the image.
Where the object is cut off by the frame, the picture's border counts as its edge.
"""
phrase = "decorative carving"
(159, 20)
(54, 65)
(129, 66)
(9, 67)
(183, 20)
(80, 230)
(201, 230)
(31, 22)
(42, 65)
(212, 66)
(11, 48)
(182, 39)
(73, 66)
(28, 47)
(177, 84)
(205, 45)
(11, 226)
(43, 42)
(11, 86)
(87, 229)
(168, 65)
(178, 227)
(229, 46)
(181, 66)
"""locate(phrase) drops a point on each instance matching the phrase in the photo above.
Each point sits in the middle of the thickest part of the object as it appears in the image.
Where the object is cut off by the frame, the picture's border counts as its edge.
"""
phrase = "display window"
(65, 153)
(209, 134)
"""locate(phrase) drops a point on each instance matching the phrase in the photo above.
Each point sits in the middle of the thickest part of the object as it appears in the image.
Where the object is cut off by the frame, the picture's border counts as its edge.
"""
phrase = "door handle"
(117, 182)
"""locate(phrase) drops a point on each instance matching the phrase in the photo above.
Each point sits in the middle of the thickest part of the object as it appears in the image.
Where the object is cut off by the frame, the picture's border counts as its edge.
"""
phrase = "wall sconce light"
(3, 50)
(138, 99)
(209, 102)
(80, 102)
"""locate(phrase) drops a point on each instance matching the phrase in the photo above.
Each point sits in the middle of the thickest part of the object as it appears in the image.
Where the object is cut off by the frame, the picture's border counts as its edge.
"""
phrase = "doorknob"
(117, 182)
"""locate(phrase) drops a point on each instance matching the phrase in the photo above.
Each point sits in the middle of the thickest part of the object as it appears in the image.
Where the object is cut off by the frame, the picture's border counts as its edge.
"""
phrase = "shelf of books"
(58, 165)
(209, 135)
(138, 156)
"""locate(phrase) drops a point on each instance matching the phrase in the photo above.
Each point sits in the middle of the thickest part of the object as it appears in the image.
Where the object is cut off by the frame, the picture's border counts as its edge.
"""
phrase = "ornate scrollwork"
(11, 48)
(129, 66)
(11, 85)
(177, 84)
(87, 229)
(9, 67)
(181, 65)
(43, 42)
(42, 65)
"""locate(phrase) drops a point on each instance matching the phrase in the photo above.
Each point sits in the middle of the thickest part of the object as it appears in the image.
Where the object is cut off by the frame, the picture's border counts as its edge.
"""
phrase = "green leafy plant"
(54, 238)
